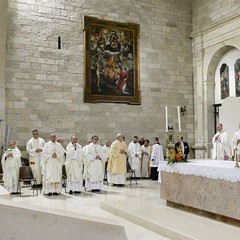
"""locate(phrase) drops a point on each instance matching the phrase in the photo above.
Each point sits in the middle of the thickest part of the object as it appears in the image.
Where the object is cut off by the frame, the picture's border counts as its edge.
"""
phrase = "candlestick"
(167, 142)
(179, 120)
(236, 164)
(236, 158)
(166, 113)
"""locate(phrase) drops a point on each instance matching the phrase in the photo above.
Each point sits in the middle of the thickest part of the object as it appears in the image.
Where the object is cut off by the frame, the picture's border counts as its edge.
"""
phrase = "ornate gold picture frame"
(111, 61)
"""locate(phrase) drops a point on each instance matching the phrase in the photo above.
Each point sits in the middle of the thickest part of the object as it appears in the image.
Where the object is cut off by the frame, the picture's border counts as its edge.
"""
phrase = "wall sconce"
(183, 110)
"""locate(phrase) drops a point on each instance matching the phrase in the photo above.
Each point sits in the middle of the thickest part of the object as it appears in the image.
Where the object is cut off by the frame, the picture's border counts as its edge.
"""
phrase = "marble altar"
(206, 187)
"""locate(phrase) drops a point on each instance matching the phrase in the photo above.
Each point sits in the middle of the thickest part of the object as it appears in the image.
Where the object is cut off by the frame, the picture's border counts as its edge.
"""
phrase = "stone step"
(169, 222)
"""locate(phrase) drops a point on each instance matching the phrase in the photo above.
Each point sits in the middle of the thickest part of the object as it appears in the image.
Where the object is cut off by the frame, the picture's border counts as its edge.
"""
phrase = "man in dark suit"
(181, 146)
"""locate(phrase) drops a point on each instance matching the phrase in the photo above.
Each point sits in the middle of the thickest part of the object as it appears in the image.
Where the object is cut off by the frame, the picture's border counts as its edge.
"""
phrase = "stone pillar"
(3, 25)
(199, 101)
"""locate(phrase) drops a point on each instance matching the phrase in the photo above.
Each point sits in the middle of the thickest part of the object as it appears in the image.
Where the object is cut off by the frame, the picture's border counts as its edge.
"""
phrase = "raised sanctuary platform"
(134, 210)
(206, 187)
(25, 221)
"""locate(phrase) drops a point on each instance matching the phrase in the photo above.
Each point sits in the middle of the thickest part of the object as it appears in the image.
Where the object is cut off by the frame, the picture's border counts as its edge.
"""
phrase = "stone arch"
(211, 67)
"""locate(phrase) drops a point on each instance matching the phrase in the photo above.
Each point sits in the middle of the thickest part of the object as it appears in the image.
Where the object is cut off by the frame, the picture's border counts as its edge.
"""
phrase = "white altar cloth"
(215, 169)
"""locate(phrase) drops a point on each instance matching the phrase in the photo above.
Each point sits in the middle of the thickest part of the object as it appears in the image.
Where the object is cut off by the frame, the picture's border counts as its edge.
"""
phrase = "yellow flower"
(177, 156)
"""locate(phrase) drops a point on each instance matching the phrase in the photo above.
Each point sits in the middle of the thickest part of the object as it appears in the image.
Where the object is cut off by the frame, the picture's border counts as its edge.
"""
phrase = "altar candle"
(179, 120)
(166, 113)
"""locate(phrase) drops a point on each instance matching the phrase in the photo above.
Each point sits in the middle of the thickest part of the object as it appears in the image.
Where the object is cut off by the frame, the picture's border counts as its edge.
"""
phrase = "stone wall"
(216, 31)
(3, 25)
(207, 12)
(45, 85)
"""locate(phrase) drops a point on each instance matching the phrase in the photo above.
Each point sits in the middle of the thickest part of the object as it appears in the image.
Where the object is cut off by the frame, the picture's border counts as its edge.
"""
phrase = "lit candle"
(166, 113)
(179, 120)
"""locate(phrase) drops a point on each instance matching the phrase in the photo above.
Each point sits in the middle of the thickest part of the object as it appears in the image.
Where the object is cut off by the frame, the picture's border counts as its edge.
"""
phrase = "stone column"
(3, 25)
(199, 102)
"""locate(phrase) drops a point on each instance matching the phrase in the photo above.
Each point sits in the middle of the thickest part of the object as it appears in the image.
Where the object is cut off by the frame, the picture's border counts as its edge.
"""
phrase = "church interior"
(183, 78)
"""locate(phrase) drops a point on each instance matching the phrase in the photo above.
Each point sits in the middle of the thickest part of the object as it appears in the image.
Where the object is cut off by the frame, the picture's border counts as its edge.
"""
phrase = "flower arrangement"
(177, 156)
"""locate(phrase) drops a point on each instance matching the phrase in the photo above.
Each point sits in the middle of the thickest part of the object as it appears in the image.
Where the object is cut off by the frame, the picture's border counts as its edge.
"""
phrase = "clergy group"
(86, 167)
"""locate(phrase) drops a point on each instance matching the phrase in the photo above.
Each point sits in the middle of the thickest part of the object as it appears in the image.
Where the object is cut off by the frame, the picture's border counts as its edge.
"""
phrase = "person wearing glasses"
(94, 171)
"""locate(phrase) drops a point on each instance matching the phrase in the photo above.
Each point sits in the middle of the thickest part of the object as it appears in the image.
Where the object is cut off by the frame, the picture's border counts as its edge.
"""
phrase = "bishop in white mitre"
(11, 162)
(93, 165)
(53, 155)
(74, 166)
(135, 154)
(34, 149)
(221, 147)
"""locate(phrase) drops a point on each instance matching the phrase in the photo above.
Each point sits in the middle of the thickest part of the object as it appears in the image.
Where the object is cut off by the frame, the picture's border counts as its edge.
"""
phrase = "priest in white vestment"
(61, 141)
(11, 162)
(135, 155)
(85, 147)
(106, 154)
(84, 156)
(221, 146)
(94, 172)
(34, 149)
(146, 155)
(236, 142)
(74, 166)
(117, 167)
(156, 157)
(53, 155)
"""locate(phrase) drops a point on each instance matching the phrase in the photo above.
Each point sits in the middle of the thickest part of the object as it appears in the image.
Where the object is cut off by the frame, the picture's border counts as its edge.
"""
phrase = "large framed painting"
(111, 61)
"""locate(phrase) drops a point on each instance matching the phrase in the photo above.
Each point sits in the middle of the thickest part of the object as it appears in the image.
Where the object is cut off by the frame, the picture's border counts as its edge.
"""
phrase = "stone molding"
(201, 31)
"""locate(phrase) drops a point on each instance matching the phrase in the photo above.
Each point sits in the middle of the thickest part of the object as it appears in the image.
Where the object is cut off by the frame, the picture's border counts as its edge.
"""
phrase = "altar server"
(221, 146)
(134, 156)
(74, 166)
(156, 156)
(34, 149)
(11, 162)
(53, 154)
(117, 161)
(93, 166)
